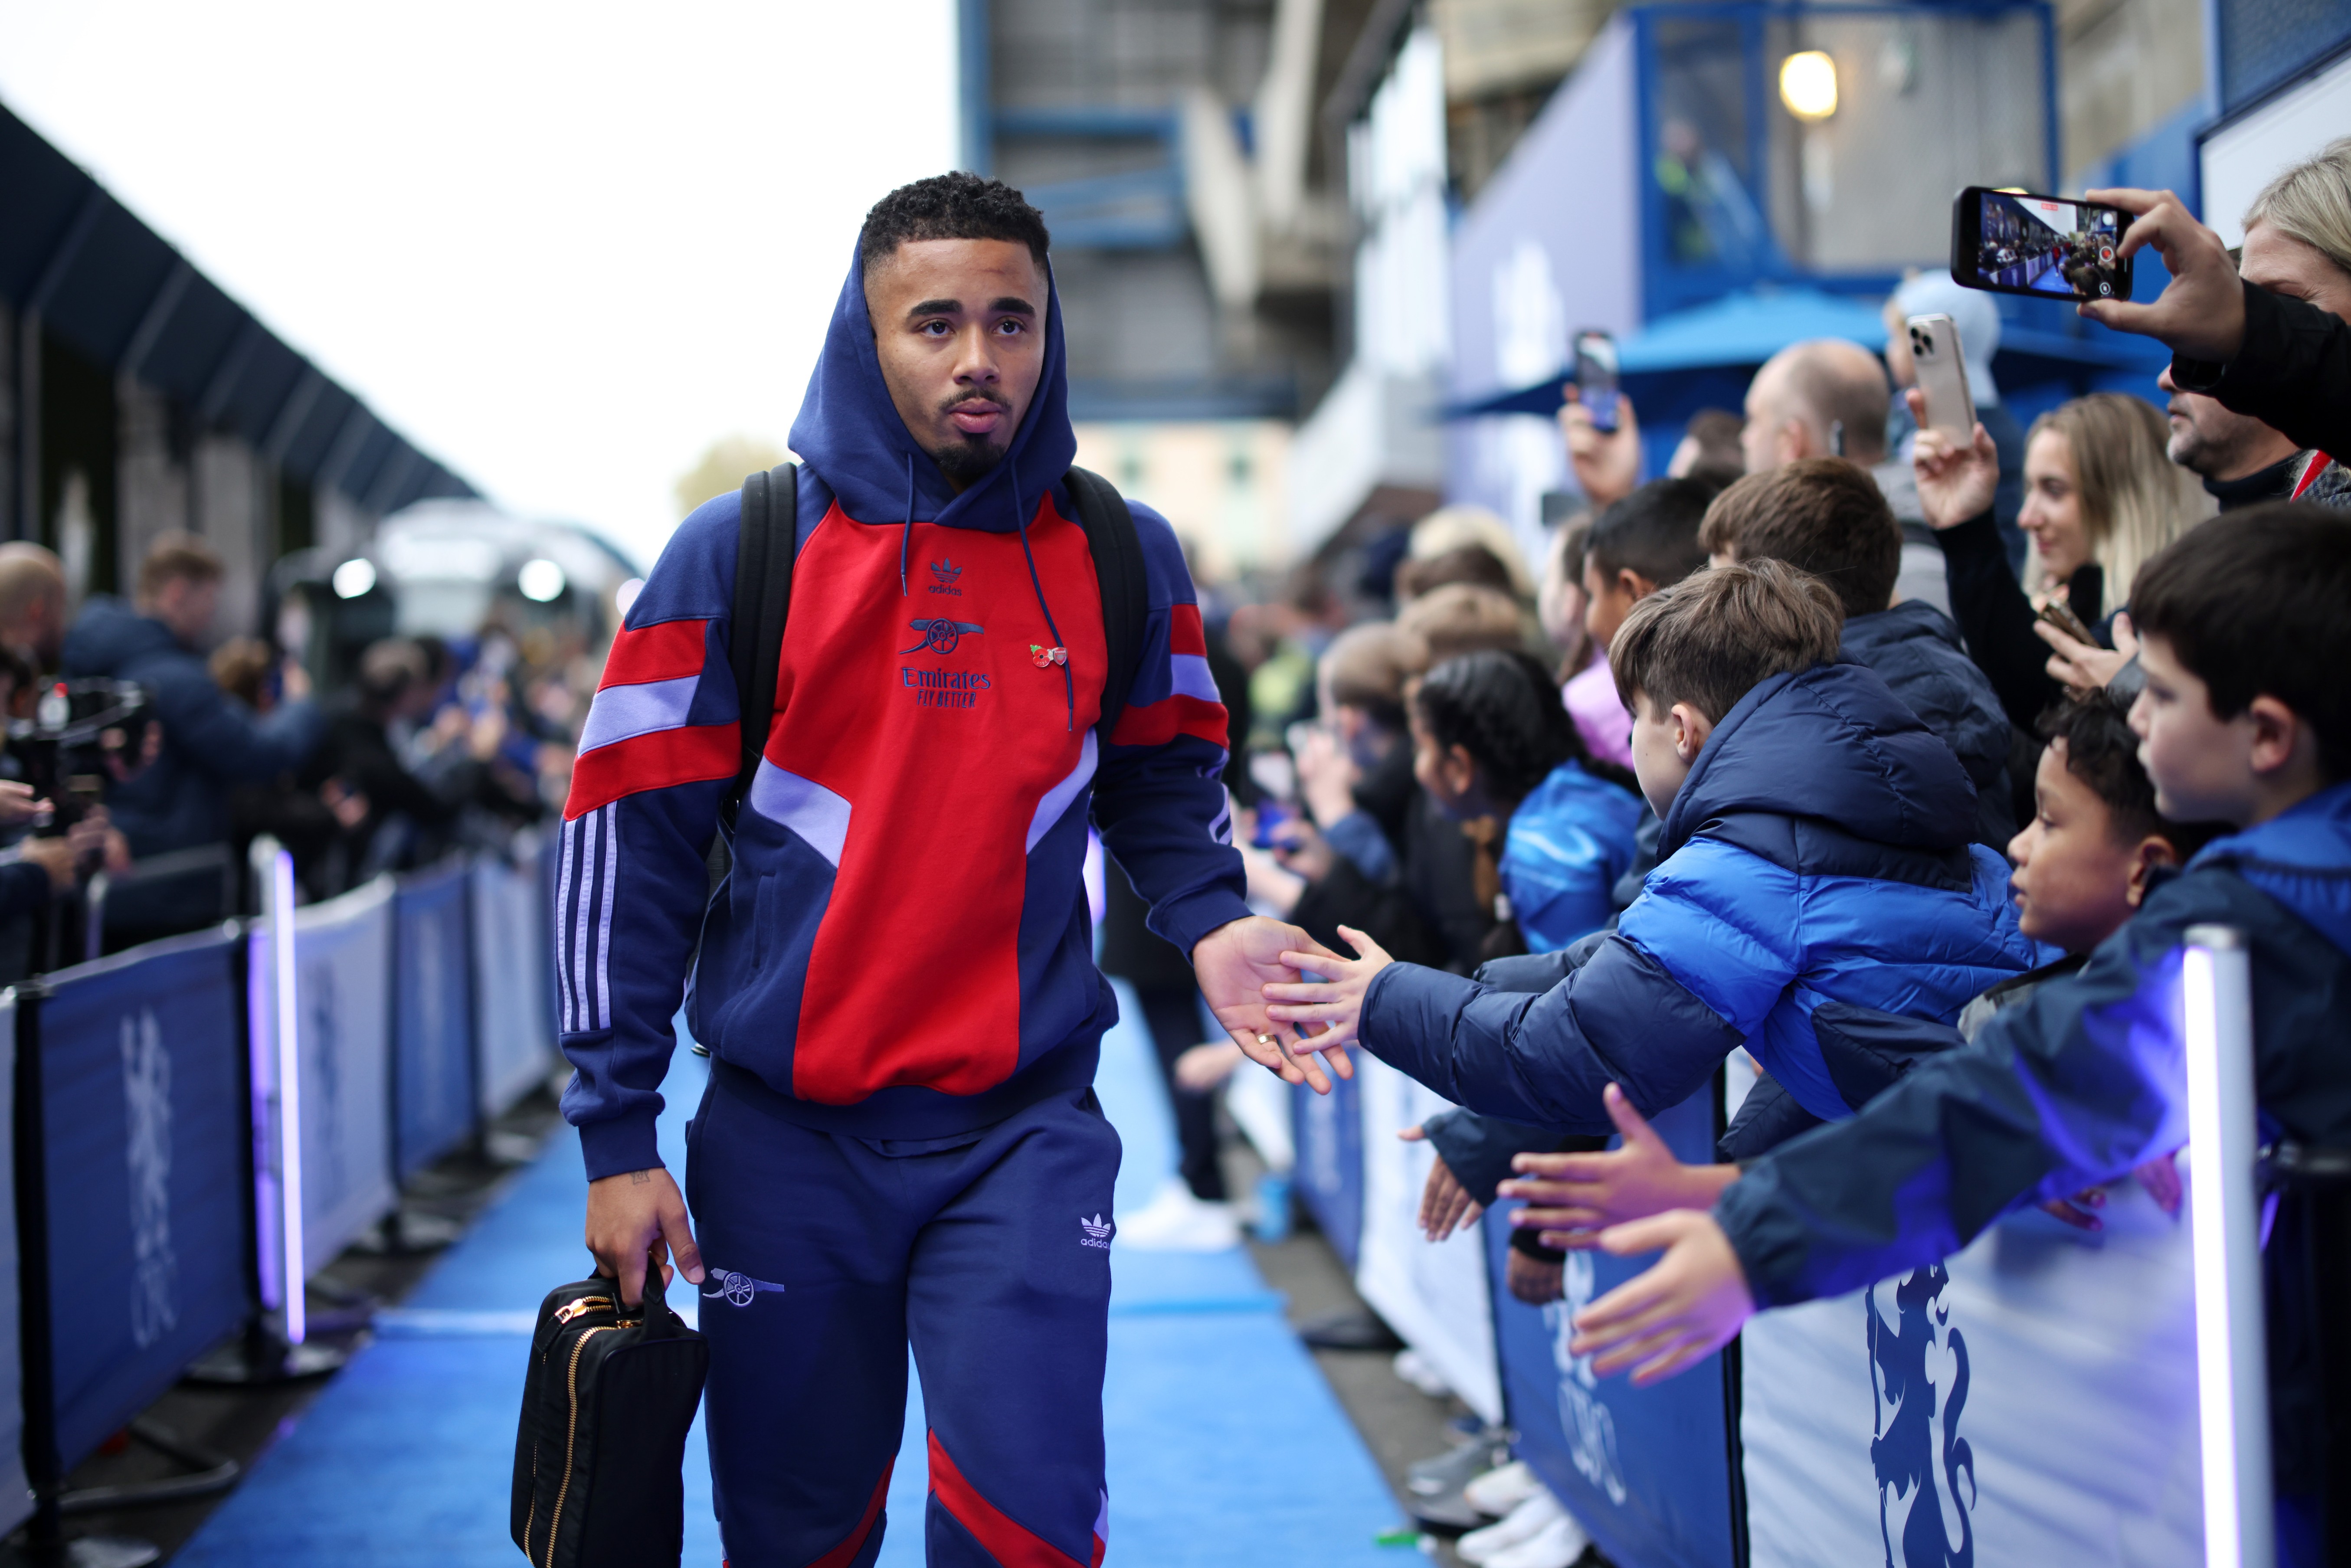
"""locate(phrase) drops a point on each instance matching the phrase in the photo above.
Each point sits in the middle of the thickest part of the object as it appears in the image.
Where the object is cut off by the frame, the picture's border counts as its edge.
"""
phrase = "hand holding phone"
(1595, 378)
(1942, 376)
(2013, 242)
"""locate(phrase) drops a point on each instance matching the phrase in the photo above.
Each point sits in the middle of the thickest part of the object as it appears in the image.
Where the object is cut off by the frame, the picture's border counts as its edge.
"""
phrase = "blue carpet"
(1225, 1445)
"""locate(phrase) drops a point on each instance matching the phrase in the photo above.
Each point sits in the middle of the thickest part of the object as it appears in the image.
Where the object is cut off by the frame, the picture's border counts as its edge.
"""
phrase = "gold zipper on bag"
(585, 1303)
(571, 1438)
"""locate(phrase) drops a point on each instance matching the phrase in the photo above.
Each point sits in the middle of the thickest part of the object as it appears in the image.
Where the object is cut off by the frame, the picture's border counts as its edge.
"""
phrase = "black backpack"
(763, 596)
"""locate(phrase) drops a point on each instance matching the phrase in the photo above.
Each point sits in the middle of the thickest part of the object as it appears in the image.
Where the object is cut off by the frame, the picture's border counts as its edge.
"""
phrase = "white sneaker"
(1559, 1544)
(1176, 1221)
(1415, 1368)
(1496, 1492)
(1522, 1524)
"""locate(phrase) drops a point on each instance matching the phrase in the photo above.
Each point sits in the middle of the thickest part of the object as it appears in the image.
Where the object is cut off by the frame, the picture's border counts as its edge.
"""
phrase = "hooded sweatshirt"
(1916, 649)
(901, 949)
(1814, 869)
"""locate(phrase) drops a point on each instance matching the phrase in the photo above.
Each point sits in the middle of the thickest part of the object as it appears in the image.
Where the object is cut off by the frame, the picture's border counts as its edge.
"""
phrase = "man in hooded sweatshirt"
(896, 980)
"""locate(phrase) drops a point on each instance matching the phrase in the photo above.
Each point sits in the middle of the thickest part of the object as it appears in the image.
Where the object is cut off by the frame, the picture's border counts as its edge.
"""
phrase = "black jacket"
(2292, 373)
(1996, 617)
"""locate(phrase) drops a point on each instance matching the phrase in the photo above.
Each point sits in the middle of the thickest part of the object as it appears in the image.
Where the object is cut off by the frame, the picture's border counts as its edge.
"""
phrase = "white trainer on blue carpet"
(1520, 1525)
(1498, 1491)
(1176, 1221)
(1559, 1544)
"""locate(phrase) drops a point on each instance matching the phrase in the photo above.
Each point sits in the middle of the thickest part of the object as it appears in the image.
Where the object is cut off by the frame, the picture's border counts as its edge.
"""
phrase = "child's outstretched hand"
(1337, 999)
(1578, 1196)
(1689, 1306)
(1446, 1205)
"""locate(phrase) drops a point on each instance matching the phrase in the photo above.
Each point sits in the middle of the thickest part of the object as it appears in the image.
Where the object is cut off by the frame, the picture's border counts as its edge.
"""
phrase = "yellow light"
(1808, 85)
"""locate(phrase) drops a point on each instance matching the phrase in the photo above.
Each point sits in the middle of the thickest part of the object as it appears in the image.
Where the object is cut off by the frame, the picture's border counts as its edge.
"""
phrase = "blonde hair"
(1464, 618)
(2312, 202)
(2134, 499)
(1457, 527)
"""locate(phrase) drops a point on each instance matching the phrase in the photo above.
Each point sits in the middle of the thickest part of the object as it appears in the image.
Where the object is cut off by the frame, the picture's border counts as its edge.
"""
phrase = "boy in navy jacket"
(1815, 870)
(2245, 719)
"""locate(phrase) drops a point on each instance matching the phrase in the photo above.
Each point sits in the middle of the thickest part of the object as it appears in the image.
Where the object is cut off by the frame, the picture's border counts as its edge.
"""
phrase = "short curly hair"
(952, 206)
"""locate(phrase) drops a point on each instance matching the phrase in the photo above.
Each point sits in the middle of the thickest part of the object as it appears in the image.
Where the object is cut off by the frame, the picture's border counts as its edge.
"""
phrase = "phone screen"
(2010, 242)
(1595, 377)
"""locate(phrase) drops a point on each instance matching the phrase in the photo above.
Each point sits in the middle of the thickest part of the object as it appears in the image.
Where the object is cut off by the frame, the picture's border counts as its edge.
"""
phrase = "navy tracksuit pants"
(828, 1254)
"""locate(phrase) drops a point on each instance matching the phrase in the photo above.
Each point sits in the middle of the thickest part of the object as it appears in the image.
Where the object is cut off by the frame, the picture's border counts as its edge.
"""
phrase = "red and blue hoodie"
(903, 948)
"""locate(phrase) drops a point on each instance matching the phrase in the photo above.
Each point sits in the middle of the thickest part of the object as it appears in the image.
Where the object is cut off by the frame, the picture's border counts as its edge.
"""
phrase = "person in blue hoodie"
(1815, 872)
(210, 741)
(896, 978)
(2245, 719)
(1824, 516)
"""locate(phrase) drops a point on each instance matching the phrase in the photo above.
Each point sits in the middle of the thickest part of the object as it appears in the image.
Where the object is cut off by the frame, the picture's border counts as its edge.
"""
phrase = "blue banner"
(145, 1154)
(1647, 1470)
(433, 1019)
(16, 1499)
(1329, 1130)
(514, 977)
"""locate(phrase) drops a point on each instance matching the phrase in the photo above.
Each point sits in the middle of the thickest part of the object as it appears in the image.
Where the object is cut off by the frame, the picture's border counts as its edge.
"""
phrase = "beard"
(964, 463)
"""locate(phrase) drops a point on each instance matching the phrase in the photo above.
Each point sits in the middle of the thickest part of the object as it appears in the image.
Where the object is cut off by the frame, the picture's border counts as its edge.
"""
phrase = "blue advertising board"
(144, 1139)
(1329, 1132)
(1647, 1470)
(514, 986)
(15, 1497)
(433, 1094)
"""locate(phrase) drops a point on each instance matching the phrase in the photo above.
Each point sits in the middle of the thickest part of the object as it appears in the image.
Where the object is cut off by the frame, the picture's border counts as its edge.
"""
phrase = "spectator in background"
(1457, 528)
(392, 818)
(32, 603)
(2241, 461)
(1464, 563)
(1977, 319)
(1821, 398)
(1462, 617)
(1586, 689)
(1828, 518)
(1709, 448)
(2101, 497)
(1294, 630)
(210, 740)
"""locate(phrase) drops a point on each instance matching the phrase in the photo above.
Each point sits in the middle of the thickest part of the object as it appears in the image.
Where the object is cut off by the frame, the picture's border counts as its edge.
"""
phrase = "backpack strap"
(763, 596)
(1118, 568)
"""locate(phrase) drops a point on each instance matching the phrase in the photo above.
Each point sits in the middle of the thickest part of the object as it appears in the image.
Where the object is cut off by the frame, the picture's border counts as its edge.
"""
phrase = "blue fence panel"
(514, 997)
(1329, 1129)
(1646, 1469)
(145, 1154)
(16, 1499)
(433, 1019)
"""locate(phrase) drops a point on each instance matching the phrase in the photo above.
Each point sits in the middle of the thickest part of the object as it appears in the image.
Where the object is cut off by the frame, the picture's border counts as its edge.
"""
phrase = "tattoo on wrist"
(639, 1178)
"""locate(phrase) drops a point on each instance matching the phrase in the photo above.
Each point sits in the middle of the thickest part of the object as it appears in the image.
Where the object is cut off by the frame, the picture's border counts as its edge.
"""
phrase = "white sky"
(563, 249)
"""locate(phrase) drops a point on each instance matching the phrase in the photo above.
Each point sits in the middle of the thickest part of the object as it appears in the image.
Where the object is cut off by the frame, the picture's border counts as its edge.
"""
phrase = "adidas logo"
(1097, 1231)
(945, 572)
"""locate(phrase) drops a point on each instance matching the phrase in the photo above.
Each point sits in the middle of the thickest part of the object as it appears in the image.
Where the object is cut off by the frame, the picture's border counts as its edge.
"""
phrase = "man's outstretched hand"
(1689, 1305)
(636, 1218)
(1234, 964)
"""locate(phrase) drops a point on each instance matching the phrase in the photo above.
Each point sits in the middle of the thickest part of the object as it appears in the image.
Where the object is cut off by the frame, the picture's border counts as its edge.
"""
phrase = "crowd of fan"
(1829, 748)
(428, 746)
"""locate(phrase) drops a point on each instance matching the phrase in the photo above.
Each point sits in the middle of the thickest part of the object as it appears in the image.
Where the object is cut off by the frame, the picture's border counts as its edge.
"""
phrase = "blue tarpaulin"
(433, 1019)
(145, 1154)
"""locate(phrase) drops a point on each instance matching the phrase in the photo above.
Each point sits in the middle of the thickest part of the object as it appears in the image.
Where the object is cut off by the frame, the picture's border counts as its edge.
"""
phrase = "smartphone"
(1272, 816)
(2011, 242)
(1595, 378)
(2065, 621)
(1942, 376)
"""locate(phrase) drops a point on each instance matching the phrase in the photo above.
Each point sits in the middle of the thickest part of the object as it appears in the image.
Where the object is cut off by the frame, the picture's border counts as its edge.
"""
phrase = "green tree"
(723, 468)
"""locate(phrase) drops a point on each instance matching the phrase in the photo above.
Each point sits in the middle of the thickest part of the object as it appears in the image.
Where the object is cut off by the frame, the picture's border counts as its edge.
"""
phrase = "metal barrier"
(198, 1124)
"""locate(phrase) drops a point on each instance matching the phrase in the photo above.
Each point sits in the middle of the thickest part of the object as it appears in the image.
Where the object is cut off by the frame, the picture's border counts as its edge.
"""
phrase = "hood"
(849, 432)
(1912, 621)
(2301, 858)
(1917, 652)
(108, 634)
(1833, 742)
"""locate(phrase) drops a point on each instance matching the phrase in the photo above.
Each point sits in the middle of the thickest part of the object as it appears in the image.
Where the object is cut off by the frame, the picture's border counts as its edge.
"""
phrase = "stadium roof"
(105, 283)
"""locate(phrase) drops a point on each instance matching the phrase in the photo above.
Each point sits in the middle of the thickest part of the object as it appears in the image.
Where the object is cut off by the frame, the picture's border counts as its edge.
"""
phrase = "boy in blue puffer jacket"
(1815, 870)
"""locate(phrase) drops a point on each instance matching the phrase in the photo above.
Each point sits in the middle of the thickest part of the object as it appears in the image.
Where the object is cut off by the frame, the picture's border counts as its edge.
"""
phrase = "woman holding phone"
(2101, 497)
